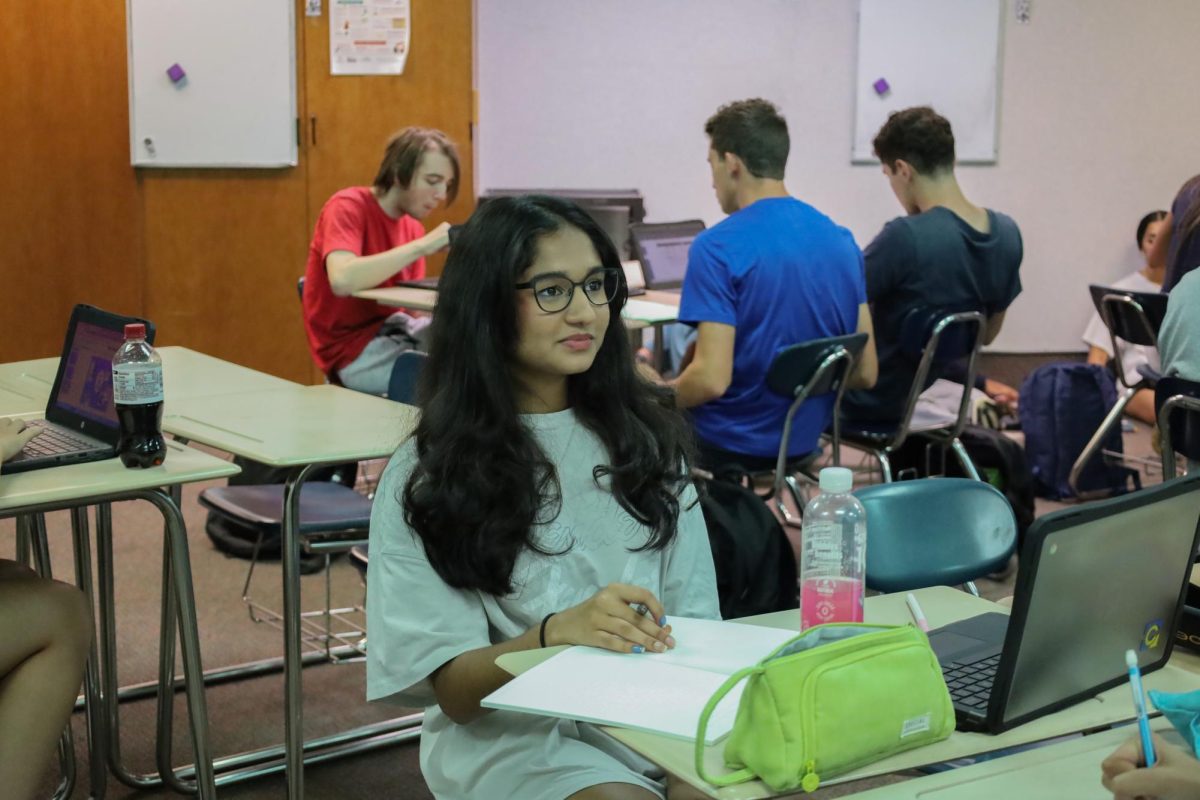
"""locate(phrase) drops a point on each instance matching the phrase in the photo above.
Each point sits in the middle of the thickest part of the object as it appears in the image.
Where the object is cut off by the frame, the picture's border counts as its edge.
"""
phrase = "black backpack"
(756, 568)
(999, 460)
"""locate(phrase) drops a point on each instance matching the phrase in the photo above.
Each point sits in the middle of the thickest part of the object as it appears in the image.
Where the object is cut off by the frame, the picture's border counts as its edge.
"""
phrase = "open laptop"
(1095, 581)
(81, 421)
(662, 249)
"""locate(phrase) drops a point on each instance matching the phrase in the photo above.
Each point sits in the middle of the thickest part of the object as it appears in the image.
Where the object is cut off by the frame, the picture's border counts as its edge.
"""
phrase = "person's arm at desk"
(866, 369)
(710, 371)
(606, 620)
(14, 435)
(1175, 776)
(349, 273)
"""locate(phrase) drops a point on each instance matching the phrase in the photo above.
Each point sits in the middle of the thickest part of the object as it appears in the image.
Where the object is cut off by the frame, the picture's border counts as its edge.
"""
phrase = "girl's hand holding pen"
(1175, 776)
(611, 619)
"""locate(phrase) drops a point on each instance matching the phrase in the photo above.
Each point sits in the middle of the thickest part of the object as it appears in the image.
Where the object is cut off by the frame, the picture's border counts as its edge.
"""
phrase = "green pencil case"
(832, 699)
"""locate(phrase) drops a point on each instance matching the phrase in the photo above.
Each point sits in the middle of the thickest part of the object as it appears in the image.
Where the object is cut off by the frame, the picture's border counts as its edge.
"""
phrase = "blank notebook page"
(659, 693)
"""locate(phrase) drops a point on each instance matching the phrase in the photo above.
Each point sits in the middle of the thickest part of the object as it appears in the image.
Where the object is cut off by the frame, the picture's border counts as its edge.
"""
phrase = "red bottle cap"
(135, 330)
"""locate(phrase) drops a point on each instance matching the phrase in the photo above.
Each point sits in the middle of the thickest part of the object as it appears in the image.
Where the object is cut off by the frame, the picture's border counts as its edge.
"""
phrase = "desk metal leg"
(108, 655)
(293, 722)
(189, 639)
(92, 687)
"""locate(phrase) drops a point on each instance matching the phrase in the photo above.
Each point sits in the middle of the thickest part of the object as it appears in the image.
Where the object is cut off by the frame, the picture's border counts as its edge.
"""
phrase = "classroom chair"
(1177, 406)
(402, 387)
(333, 519)
(932, 338)
(801, 372)
(935, 532)
(1134, 317)
(330, 377)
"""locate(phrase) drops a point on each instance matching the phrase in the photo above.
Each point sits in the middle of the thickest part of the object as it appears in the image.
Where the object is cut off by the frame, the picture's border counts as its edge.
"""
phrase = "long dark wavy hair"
(482, 481)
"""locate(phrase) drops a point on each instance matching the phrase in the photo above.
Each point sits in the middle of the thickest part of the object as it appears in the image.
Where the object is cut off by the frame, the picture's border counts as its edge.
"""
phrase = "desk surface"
(1063, 769)
(294, 425)
(109, 477)
(942, 605)
(25, 385)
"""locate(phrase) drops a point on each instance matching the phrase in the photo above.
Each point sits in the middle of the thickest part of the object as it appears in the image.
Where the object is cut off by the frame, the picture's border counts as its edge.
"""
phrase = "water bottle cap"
(135, 330)
(836, 479)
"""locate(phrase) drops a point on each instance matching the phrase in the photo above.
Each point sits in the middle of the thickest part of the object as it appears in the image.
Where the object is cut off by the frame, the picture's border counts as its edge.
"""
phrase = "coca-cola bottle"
(138, 397)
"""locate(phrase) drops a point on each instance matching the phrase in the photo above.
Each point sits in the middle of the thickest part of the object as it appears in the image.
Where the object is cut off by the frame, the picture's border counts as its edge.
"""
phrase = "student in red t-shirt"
(369, 236)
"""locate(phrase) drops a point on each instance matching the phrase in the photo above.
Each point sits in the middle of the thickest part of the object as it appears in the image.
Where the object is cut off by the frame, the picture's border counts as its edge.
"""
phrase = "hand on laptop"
(13, 436)
(1175, 776)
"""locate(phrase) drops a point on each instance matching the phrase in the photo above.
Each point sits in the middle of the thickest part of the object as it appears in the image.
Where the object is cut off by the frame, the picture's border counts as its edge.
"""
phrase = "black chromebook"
(1095, 581)
(81, 421)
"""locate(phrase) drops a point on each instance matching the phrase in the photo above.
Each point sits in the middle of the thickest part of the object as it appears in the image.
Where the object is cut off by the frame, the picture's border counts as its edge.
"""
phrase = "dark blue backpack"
(1062, 406)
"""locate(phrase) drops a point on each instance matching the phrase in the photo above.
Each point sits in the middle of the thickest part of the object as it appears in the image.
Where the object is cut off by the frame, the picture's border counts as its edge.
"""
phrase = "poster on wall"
(368, 37)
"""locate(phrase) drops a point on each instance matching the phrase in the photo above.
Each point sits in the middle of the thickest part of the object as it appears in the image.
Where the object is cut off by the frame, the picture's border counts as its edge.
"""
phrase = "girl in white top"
(544, 494)
(1147, 279)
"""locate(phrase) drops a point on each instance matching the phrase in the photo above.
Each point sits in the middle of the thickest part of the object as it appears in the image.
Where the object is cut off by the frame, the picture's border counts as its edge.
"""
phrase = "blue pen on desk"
(1139, 705)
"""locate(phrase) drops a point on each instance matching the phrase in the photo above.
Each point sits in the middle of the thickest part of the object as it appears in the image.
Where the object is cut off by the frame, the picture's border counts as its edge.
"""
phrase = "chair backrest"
(935, 532)
(937, 337)
(406, 371)
(1177, 406)
(810, 369)
(1132, 316)
(810, 366)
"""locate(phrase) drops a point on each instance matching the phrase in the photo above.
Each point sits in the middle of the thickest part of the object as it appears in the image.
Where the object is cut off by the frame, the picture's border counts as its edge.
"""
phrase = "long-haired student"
(543, 496)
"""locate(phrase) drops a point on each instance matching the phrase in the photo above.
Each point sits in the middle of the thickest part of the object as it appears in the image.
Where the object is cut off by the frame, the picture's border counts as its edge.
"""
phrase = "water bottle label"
(137, 384)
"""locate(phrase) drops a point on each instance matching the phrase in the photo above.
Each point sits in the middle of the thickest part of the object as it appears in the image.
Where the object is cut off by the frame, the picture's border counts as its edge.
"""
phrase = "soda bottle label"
(137, 384)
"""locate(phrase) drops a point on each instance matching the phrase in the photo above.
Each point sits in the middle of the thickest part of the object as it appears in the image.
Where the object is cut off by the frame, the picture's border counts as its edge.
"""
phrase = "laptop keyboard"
(52, 441)
(970, 685)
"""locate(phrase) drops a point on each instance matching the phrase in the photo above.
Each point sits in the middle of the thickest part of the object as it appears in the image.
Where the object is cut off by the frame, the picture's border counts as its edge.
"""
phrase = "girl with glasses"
(544, 499)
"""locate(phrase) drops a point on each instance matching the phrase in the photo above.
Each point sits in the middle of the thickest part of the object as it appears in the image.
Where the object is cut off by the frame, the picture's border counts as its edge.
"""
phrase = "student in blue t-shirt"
(775, 273)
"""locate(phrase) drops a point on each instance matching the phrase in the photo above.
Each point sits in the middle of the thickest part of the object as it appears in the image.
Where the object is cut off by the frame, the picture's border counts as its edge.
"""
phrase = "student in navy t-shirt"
(775, 273)
(947, 253)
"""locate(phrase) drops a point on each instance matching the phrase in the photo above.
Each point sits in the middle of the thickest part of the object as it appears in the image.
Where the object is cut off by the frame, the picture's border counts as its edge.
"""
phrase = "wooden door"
(353, 116)
(67, 193)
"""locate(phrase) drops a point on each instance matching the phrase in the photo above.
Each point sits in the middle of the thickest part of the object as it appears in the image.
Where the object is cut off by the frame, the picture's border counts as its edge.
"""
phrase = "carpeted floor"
(248, 714)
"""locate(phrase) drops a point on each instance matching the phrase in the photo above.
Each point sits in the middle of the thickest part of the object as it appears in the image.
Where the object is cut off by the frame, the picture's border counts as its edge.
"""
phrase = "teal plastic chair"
(935, 532)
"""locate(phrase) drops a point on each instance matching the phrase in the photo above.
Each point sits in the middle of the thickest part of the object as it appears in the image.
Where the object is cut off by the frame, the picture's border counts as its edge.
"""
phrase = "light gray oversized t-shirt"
(1179, 336)
(416, 623)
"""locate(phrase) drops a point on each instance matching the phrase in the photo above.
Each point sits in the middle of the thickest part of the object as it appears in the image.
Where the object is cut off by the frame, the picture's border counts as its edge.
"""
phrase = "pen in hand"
(1139, 705)
(643, 610)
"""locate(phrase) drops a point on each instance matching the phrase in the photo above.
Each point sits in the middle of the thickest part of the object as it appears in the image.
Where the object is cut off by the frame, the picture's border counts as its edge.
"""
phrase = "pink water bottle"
(833, 553)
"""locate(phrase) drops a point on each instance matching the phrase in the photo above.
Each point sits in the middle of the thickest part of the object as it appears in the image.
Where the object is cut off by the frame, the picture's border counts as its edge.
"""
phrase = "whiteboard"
(236, 105)
(941, 53)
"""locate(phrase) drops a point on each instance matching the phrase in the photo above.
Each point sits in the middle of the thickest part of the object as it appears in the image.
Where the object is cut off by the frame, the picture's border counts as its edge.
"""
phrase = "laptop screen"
(86, 387)
(1105, 579)
(663, 250)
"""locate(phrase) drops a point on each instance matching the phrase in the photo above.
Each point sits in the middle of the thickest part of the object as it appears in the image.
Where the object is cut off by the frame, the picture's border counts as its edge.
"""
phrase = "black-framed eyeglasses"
(555, 291)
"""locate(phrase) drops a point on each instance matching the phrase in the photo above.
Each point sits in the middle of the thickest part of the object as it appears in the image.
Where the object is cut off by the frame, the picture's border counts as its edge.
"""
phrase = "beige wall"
(1098, 119)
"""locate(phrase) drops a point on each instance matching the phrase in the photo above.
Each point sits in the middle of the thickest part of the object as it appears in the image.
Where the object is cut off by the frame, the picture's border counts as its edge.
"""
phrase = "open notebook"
(659, 693)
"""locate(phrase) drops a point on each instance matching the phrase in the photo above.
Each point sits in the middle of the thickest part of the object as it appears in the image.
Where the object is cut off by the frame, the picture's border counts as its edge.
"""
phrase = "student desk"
(942, 605)
(650, 310)
(1063, 769)
(76, 486)
(301, 427)
(25, 385)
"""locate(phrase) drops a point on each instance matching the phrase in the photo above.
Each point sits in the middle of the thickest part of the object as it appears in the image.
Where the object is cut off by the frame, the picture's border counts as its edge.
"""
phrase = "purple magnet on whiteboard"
(176, 73)
(881, 87)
